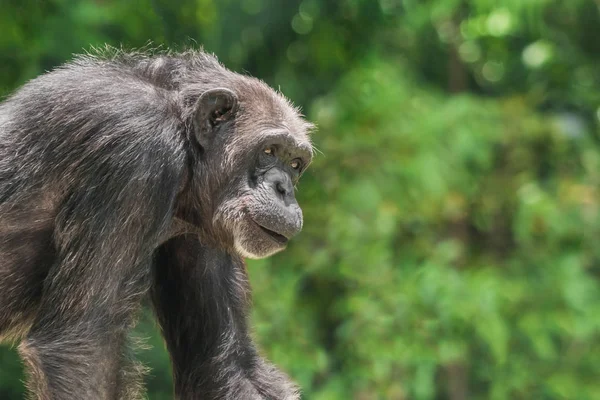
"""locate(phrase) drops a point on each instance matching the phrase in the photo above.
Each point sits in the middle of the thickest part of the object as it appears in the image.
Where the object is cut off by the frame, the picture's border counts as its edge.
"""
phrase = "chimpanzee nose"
(284, 215)
(282, 184)
(284, 188)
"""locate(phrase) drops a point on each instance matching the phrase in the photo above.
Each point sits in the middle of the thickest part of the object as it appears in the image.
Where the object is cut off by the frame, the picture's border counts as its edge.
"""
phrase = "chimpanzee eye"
(268, 150)
(295, 164)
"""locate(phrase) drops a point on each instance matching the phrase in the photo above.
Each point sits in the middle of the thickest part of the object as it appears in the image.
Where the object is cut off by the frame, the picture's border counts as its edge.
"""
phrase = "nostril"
(281, 188)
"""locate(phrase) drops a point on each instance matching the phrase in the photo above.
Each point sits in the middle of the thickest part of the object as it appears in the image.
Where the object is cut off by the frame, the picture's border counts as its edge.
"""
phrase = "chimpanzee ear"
(214, 107)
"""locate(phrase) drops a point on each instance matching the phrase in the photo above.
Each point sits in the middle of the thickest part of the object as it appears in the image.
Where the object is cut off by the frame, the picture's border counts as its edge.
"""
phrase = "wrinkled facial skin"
(259, 157)
(263, 213)
(270, 213)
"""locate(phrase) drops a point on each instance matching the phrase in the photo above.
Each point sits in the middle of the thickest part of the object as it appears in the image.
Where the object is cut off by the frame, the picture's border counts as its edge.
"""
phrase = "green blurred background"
(452, 214)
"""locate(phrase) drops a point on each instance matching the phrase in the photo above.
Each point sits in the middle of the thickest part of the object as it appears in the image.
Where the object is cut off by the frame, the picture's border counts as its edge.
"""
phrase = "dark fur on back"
(105, 194)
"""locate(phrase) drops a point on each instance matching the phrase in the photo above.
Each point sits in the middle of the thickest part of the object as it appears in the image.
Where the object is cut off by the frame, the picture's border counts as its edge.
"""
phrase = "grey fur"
(109, 188)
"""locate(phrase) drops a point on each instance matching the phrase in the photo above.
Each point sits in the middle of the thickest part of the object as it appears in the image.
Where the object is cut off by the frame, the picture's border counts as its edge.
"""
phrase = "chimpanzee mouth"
(279, 238)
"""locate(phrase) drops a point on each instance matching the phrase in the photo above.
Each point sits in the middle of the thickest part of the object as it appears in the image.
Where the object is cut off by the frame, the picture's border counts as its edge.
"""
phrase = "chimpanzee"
(128, 174)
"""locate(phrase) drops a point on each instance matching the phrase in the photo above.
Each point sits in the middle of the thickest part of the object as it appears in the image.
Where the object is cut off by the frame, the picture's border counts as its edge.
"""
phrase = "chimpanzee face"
(257, 151)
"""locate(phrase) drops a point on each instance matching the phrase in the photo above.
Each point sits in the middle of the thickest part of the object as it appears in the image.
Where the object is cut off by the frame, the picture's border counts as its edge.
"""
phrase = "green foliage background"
(452, 214)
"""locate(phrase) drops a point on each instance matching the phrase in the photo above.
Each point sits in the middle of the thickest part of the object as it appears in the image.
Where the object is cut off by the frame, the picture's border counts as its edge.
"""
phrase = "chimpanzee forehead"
(286, 139)
(285, 126)
(281, 120)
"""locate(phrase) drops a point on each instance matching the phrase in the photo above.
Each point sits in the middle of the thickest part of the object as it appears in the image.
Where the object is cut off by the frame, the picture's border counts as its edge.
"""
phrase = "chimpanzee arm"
(201, 297)
(105, 234)
(109, 149)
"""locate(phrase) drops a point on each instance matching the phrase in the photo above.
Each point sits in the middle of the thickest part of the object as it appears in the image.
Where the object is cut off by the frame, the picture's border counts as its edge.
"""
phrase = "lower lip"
(273, 235)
